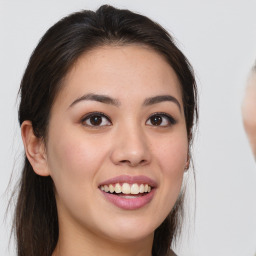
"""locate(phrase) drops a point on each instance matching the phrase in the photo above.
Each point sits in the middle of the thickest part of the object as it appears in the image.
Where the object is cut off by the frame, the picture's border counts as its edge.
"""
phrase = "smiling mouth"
(127, 190)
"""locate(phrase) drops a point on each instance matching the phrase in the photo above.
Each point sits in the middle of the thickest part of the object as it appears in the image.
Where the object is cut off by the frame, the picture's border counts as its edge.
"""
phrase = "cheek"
(171, 156)
(73, 161)
(74, 164)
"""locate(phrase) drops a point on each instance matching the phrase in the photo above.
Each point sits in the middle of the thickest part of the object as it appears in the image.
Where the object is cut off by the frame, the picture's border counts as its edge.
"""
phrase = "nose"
(131, 147)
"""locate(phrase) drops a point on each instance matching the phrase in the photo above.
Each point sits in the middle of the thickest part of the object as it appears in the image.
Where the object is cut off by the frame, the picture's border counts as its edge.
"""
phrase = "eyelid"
(95, 113)
(171, 120)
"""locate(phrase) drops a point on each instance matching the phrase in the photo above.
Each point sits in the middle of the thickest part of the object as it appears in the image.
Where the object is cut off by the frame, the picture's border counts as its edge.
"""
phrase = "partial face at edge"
(120, 113)
(249, 111)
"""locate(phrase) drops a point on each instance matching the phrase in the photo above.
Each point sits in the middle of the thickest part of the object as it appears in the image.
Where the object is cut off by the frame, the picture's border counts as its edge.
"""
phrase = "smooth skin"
(249, 111)
(126, 136)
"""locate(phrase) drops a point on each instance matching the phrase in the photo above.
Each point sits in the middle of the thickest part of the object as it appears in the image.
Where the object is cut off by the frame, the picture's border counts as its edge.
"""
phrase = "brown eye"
(96, 119)
(156, 120)
(161, 119)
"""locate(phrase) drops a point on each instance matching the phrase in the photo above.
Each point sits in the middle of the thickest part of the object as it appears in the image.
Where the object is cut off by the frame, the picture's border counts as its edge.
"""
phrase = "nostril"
(125, 162)
(133, 163)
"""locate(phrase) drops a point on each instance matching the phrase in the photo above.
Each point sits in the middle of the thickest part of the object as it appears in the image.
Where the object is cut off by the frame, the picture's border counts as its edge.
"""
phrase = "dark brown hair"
(36, 219)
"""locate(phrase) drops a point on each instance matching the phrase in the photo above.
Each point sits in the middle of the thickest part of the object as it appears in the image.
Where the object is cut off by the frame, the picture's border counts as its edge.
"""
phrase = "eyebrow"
(97, 97)
(161, 98)
(115, 102)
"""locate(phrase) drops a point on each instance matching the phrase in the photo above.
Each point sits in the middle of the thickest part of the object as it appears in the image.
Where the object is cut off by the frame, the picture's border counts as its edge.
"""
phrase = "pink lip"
(130, 180)
(130, 203)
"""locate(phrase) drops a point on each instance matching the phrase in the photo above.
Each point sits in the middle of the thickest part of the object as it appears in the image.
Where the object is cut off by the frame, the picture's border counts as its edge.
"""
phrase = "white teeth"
(135, 189)
(118, 188)
(126, 188)
(142, 188)
(111, 188)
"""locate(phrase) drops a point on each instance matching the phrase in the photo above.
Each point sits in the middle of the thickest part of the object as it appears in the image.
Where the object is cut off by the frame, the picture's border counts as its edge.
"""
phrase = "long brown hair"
(36, 219)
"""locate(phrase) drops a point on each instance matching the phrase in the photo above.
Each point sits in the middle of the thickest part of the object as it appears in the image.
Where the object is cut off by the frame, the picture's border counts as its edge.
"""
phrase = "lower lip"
(129, 203)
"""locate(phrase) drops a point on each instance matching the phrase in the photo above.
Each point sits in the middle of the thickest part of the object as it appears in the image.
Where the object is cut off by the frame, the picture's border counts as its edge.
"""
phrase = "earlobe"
(35, 149)
(187, 163)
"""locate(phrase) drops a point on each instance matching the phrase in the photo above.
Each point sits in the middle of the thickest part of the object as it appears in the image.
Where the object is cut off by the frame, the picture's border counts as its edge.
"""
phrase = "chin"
(132, 237)
(131, 231)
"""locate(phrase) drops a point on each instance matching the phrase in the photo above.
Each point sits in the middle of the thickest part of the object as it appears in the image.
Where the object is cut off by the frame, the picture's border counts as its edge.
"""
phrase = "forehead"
(114, 70)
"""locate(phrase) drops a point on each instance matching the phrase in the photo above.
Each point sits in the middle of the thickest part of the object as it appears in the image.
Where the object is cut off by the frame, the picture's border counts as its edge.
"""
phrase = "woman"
(108, 104)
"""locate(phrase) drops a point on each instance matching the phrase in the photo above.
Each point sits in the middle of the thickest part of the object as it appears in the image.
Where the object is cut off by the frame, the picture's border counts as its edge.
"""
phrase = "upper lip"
(140, 179)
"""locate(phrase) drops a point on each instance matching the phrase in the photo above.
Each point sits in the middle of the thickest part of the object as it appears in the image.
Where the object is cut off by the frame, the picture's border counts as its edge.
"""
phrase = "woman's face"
(117, 125)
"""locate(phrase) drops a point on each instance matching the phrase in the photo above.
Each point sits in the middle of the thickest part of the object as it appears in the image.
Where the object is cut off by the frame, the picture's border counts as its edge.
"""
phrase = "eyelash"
(170, 119)
(94, 114)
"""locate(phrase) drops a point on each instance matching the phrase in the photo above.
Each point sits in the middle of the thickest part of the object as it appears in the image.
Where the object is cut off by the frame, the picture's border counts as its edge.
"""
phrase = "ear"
(188, 162)
(35, 149)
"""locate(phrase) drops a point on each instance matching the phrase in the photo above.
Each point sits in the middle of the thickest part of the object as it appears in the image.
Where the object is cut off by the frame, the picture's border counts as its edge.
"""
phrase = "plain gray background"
(219, 39)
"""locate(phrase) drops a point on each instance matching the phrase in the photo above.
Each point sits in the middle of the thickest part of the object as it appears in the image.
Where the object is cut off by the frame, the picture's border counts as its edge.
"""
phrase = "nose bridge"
(131, 145)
